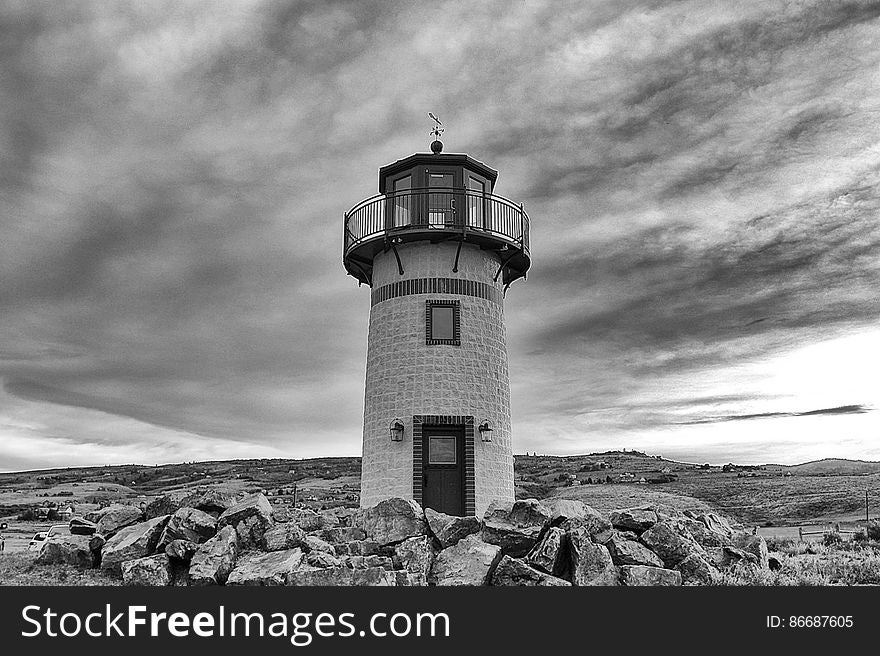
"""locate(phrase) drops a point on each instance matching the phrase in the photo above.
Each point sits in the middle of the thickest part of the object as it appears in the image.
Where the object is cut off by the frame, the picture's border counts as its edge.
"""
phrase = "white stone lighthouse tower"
(438, 250)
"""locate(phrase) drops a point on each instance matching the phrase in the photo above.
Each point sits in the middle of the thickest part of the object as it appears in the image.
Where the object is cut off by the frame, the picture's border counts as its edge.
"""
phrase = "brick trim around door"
(466, 422)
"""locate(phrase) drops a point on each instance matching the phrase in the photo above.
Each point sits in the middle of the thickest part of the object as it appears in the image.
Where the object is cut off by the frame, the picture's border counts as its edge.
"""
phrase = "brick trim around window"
(456, 323)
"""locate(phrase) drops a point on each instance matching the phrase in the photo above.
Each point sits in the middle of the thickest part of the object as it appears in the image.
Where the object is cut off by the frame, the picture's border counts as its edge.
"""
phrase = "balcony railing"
(437, 209)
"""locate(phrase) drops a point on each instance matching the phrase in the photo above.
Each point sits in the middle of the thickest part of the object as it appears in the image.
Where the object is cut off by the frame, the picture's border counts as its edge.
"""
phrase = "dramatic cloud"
(701, 178)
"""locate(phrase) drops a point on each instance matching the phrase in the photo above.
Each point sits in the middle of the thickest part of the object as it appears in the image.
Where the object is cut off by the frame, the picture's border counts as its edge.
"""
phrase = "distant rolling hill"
(835, 467)
(833, 489)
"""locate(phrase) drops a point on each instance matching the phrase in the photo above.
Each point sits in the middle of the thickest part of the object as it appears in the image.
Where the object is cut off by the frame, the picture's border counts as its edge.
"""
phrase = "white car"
(39, 538)
(37, 541)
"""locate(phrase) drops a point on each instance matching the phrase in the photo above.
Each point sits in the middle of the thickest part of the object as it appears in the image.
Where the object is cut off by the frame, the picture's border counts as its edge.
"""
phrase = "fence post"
(801, 533)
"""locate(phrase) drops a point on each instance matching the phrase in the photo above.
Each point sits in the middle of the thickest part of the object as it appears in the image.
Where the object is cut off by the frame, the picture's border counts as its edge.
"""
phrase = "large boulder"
(339, 516)
(209, 500)
(643, 575)
(548, 555)
(730, 556)
(696, 570)
(215, 558)
(280, 514)
(113, 518)
(569, 514)
(637, 520)
(700, 532)
(313, 543)
(673, 543)
(449, 529)
(67, 549)
(344, 576)
(181, 551)
(151, 570)
(309, 520)
(272, 568)
(415, 555)
(283, 537)
(391, 521)
(516, 526)
(408, 579)
(251, 518)
(753, 544)
(132, 542)
(342, 534)
(626, 550)
(511, 571)
(563, 510)
(368, 562)
(468, 562)
(358, 548)
(590, 563)
(96, 543)
(322, 559)
(81, 526)
(167, 504)
(715, 523)
(188, 524)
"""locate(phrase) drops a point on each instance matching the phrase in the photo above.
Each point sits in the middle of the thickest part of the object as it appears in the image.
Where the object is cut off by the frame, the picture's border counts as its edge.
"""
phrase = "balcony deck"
(437, 214)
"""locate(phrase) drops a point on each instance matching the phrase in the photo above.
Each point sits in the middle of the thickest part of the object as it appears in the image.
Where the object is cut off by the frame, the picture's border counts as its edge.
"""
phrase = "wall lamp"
(397, 431)
(485, 431)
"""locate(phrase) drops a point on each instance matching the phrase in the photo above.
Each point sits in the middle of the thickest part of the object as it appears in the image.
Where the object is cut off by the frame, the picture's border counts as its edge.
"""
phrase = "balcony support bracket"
(367, 276)
(393, 244)
(504, 264)
(457, 253)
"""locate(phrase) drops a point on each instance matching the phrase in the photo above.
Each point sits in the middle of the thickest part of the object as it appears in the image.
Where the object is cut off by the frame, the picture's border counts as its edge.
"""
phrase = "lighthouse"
(438, 250)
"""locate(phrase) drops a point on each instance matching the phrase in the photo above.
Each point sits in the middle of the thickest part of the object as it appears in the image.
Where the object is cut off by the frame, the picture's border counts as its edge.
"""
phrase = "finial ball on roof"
(436, 146)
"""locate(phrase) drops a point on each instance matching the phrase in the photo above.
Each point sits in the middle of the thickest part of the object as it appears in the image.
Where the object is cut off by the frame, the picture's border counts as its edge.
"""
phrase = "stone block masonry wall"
(406, 377)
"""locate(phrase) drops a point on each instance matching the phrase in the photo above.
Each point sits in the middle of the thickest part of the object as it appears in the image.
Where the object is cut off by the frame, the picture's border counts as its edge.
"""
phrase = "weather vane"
(436, 131)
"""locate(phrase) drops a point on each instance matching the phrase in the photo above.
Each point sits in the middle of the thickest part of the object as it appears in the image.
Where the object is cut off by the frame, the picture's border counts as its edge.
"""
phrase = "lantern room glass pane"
(402, 199)
(476, 190)
(442, 322)
(440, 204)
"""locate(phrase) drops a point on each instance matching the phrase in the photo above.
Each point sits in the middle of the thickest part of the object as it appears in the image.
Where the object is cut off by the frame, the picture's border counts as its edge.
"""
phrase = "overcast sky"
(701, 177)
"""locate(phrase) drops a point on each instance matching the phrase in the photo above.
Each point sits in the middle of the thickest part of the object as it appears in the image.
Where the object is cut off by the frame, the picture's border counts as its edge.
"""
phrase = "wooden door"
(443, 469)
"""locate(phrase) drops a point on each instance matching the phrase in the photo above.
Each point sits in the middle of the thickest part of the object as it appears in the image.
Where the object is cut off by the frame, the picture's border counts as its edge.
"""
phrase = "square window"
(442, 323)
(441, 450)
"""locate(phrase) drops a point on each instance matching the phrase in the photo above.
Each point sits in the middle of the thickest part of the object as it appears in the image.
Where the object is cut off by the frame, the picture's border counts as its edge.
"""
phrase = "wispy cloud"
(842, 410)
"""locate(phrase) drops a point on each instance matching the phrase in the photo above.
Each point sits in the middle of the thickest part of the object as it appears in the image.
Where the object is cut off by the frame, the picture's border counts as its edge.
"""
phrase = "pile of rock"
(206, 538)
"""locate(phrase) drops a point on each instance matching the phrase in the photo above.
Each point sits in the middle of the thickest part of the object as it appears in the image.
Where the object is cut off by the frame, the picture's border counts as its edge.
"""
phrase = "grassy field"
(810, 564)
(813, 493)
(784, 500)
(606, 498)
(19, 569)
(771, 495)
